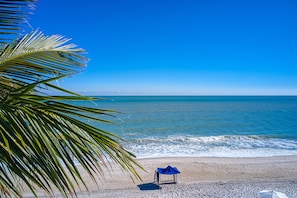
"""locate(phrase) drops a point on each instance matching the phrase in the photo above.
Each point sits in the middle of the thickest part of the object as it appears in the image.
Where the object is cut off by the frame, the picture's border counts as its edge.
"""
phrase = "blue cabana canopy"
(169, 170)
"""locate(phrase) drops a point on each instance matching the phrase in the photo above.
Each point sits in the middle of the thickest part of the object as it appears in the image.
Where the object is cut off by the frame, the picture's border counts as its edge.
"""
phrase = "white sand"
(201, 177)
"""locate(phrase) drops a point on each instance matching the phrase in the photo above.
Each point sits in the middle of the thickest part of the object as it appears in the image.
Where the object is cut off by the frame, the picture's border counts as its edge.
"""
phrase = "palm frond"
(40, 135)
(12, 15)
(35, 57)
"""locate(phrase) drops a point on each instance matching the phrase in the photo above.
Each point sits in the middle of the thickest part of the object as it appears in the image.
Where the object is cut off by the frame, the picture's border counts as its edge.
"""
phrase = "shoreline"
(200, 173)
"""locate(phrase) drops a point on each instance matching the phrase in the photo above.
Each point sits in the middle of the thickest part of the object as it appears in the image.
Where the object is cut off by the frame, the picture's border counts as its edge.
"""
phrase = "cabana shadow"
(149, 186)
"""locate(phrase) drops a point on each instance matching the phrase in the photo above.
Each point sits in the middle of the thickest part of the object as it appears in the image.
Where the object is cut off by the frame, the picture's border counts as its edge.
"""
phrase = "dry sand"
(201, 177)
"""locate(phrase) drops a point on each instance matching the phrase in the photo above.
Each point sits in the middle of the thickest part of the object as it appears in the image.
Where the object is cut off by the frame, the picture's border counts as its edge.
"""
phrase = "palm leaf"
(40, 134)
(12, 15)
(35, 57)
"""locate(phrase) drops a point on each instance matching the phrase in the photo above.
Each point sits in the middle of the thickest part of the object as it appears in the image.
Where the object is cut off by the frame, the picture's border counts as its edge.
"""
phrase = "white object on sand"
(272, 194)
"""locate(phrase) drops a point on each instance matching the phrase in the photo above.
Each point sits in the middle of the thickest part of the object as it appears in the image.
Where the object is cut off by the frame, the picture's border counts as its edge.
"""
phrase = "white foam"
(212, 146)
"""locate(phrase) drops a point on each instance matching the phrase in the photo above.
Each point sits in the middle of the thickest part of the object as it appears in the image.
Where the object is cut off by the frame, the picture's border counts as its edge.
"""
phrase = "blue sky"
(178, 47)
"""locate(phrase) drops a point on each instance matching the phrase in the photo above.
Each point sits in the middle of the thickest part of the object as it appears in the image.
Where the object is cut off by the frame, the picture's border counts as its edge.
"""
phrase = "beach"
(199, 177)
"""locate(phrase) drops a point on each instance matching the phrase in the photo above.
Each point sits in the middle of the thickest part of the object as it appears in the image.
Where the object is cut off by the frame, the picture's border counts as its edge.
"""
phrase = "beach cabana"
(169, 170)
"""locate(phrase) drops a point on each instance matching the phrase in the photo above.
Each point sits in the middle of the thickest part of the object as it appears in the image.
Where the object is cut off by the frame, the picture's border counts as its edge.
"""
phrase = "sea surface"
(213, 126)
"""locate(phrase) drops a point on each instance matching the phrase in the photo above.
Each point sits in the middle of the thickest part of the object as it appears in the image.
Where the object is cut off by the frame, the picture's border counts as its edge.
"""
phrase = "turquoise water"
(221, 126)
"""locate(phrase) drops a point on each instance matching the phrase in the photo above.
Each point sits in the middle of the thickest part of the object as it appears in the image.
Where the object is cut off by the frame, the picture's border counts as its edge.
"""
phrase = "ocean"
(209, 126)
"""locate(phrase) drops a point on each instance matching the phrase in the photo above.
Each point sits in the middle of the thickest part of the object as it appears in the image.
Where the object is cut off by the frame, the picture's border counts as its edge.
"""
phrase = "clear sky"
(178, 47)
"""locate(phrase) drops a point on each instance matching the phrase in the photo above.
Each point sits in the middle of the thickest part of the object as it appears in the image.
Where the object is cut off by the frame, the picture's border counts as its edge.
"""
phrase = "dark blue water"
(231, 126)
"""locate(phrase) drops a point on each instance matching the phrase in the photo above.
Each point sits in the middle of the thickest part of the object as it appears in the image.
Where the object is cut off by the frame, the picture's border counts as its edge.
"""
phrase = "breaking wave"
(211, 146)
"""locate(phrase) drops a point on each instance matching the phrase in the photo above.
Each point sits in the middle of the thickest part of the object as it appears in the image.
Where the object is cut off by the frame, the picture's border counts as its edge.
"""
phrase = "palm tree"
(40, 134)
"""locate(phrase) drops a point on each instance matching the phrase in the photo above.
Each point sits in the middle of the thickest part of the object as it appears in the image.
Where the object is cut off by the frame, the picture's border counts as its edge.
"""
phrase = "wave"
(212, 146)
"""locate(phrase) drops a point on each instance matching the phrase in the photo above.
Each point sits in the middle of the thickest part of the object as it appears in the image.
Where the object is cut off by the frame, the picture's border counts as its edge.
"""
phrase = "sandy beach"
(200, 177)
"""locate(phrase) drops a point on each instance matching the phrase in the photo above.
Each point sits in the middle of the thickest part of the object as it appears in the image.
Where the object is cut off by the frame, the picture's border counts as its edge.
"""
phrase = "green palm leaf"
(40, 135)
(12, 15)
(35, 57)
